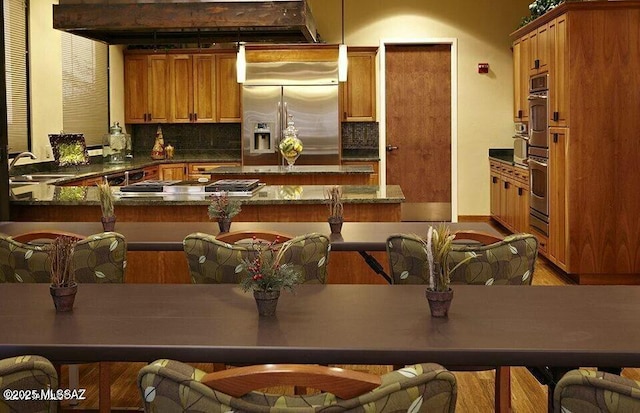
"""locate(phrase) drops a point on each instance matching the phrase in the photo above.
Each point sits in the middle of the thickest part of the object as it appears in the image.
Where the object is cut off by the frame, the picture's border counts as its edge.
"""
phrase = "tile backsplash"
(187, 137)
(360, 135)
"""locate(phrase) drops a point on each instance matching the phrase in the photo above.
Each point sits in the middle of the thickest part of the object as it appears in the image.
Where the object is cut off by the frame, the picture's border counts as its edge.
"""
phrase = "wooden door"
(558, 73)
(204, 88)
(518, 110)
(159, 106)
(495, 195)
(135, 88)
(175, 171)
(181, 88)
(228, 90)
(524, 77)
(418, 116)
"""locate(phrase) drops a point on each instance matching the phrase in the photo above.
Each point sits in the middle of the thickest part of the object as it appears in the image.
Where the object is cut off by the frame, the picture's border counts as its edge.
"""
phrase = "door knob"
(391, 148)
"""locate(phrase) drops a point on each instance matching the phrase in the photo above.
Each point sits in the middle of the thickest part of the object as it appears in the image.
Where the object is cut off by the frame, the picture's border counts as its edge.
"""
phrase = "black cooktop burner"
(232, 185)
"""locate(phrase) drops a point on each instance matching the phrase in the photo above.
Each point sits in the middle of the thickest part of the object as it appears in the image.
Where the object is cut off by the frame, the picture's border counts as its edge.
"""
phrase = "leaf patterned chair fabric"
(23, 263)
(171, 386)
(99, 258)
(596, 391)
(27, 373)
(508, 262)
(216, 262)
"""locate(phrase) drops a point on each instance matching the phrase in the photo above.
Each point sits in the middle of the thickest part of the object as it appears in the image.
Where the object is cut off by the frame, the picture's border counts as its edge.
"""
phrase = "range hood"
(157, 22)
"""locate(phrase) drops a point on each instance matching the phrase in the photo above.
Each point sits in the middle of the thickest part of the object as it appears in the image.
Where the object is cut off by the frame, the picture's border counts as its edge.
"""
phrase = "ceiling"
(158, 22)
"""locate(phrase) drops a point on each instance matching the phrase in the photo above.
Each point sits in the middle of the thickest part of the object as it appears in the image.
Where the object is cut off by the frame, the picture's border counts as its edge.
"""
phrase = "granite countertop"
(296, 170)
(47, 194)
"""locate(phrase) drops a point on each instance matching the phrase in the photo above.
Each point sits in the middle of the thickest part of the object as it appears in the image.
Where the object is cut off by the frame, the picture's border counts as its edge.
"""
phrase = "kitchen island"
(284, 203)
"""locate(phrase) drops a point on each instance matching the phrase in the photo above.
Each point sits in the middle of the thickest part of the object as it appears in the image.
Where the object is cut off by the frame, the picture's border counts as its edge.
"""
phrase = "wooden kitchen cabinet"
(359, 91)
(197, 169)
(539, 50)
(192, 88)
(594, 71)
(173, 171)
(374, 178)
(558, 73)
(509, 199)
(520, 80)
(558, 143)
(145, 83)
(152, 172)
(229, 108)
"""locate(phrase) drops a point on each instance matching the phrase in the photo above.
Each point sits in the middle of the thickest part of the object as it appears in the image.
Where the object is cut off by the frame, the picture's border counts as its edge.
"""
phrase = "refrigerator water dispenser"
(262, 138)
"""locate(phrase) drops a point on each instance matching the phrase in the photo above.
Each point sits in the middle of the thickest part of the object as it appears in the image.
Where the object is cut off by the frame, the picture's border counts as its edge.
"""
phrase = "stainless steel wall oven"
(538, 153)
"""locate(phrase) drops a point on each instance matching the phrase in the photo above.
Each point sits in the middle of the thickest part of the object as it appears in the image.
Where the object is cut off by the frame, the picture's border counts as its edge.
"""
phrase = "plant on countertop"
(106, 200)
(334, 200)
(538, 8)
(222, 207)
(264, 272)
(438, 244)
(60, 262)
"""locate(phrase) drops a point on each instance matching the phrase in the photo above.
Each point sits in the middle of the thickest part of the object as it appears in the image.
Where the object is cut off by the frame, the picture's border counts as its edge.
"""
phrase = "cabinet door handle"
(519, 113)
(149, 117)
(556, 116)
(506, 185)
(195, 117)
(494, 179)
(555, 138)
(144, 117)
(520, 192)
(537, 63)
(190, 117)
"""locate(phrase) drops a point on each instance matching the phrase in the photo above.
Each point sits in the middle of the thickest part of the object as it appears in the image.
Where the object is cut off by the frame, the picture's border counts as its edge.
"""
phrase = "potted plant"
(63, 284)
(106, 205)
(336, 209)
(264, 274)
(438, 244)
(222, 209)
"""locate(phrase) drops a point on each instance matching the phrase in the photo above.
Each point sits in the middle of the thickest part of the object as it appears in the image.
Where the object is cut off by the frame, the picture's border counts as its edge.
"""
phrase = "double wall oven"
(538, 153)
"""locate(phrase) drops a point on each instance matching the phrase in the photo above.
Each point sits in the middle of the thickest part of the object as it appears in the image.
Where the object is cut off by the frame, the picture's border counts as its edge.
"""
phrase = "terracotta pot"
(335, 224)
(439, 302)
(63, 297)
(108, 223)
(224, 224)
(266, 301)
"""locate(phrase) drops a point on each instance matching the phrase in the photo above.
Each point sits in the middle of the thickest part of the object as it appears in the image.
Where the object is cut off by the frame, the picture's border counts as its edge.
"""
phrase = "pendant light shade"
(342, 63)
(241, 65)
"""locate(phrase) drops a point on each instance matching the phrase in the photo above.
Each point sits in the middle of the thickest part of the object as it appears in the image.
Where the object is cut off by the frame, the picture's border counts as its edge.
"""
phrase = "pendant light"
(342, 54)
(241, 64)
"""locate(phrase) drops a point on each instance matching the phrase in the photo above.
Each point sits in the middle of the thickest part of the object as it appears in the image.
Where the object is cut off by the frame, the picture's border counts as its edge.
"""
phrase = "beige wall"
(46, 78)
(482, 29)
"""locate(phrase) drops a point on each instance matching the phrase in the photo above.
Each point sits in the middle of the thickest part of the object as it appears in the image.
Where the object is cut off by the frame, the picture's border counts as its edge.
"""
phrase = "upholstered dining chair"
(170, 386)
(214, 261)
(507, 261)
(27, 373)
(582, 390)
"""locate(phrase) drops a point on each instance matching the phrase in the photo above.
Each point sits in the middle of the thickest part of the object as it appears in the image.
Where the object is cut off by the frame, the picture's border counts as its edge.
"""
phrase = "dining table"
(326, 324)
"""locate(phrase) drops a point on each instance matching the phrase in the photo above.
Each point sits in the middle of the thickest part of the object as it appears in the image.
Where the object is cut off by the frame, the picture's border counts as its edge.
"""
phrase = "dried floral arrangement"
(106, 200)
(334, 200)
(60, 262)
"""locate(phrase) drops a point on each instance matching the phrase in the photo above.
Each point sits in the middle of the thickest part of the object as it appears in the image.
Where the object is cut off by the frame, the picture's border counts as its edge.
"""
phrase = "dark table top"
(168, 236)
(345, 324)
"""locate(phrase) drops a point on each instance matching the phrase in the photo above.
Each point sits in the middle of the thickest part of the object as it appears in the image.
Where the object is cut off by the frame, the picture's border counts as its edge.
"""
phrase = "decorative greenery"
(334, 200)
(438, 244)
(60, 253)
(538, 8)
(106, 200)
(264, 272)
(223, 207)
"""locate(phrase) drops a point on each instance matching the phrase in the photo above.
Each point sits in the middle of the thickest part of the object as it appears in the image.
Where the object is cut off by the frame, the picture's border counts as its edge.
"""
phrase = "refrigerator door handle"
(286, 116)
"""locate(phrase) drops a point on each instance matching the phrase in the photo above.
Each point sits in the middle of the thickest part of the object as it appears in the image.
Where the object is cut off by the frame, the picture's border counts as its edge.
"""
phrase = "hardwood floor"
(475, 389)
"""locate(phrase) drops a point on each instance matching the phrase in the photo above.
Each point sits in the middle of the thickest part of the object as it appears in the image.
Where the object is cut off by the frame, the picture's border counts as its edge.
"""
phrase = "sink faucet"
(19, 156)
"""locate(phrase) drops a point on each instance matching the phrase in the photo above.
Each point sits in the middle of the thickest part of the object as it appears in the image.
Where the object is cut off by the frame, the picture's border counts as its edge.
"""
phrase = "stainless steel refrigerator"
(308, 93)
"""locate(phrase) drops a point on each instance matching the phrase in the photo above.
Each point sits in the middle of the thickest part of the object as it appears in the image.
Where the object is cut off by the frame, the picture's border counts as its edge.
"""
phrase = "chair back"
(23, 263)
(100, 258)
(239, 236)
(309, 254)
(212, 261)
(508, 261)
(27, 373)
(170, 386)
(596, 391)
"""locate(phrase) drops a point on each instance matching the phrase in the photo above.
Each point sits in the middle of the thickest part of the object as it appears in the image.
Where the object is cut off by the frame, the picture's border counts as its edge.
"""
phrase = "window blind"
(85, 86)
(15, 38)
